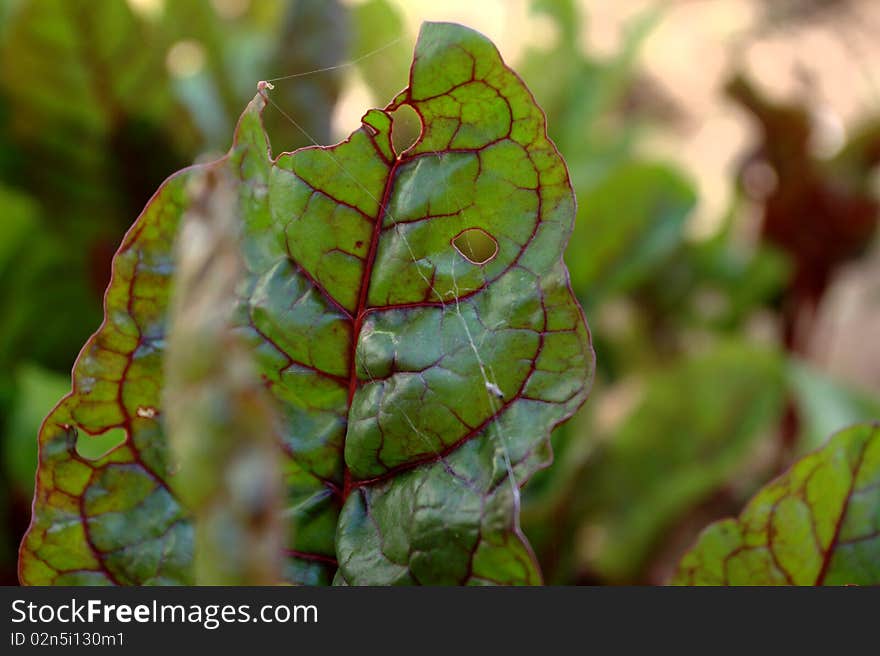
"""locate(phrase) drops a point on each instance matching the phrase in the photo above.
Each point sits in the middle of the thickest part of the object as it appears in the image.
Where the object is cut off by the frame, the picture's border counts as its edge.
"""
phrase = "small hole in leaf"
(476, 245)
(406, 128)
(95, 447)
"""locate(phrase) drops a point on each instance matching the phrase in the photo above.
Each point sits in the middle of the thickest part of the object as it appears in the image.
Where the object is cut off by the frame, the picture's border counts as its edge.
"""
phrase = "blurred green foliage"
(691, 404)
(686, 434)
(99, 104)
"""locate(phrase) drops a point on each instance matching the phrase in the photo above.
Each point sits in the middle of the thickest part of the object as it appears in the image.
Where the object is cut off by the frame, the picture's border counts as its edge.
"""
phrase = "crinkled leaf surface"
(417, 388)
(817, 524)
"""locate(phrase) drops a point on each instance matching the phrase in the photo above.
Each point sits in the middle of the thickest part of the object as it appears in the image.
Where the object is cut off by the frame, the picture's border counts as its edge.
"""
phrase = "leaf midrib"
(361, 310)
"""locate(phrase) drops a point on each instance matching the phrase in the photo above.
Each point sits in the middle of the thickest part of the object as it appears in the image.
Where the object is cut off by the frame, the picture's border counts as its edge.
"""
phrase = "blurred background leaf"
(684, 436)
(630, 224)
(825, 405)
(35, 390)
(379, 29)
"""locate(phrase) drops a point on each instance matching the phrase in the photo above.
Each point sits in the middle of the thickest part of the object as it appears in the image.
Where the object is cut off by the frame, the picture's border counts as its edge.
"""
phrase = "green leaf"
(35, 390)
(103, 108)
(825, 406)
(34, 265)
(314, 36)
(738, 280)
(817, 524)
(417, 388)
(90, 140)
(629, 224)
(19, 219)
(584, 93)
(381, 47)
(688, 436)
(689, 432)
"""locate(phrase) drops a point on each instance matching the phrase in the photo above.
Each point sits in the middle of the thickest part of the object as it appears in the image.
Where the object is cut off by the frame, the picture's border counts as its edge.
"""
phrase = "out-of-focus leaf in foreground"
(411, 315)
(817, 524)
(221, 424)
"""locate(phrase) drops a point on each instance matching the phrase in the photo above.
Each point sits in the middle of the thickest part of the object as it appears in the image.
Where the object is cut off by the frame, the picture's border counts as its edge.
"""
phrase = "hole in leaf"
(95, 447)
(406, 128)
(476, 245)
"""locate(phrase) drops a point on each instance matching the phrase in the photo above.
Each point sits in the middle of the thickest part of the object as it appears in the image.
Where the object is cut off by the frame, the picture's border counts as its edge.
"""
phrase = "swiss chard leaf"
(417, 379)
(817, 524)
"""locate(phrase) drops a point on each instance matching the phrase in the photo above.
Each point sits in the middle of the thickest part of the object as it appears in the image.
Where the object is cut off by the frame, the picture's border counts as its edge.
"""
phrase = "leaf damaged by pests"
(416, 387)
